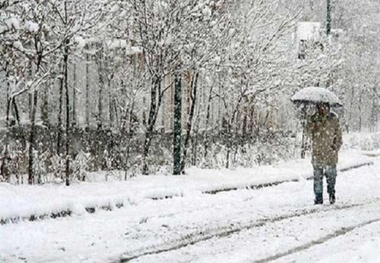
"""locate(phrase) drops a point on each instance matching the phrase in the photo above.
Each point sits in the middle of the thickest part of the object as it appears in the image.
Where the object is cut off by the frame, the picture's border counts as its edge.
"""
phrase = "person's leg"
(331, 174)
(318, 185)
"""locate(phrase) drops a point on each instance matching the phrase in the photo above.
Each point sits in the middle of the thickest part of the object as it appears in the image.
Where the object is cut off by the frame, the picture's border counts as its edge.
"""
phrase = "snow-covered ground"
(278, 223)
(23, 201)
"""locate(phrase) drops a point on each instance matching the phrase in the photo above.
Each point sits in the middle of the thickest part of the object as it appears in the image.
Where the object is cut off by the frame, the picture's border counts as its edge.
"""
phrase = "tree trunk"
(87, 90)
(130, 134)
(60, 117)
(360, 112)
(68, 128)
(328, 18)
(44, 108)
(30, 104)
(229, 145)
(229, 138)
(9, 101)
(245, 118)
(101, 88)
(17, 115)
(74, 95)
(193, 100)
(177, 127)
(8, 118)
(155, 95)
(32, 138)
(208, 114)
(110, 106)
(374, 110)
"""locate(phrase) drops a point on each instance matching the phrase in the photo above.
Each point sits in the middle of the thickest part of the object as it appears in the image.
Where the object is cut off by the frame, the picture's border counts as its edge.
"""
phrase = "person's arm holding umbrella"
(311, 125)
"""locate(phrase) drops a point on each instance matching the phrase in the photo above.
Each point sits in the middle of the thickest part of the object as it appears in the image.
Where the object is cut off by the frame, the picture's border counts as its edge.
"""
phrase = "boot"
(318, 199)
(332, 198)
(331, 191)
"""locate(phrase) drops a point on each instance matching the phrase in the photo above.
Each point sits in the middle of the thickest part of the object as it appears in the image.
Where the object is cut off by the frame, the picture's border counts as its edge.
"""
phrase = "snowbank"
(30, 202)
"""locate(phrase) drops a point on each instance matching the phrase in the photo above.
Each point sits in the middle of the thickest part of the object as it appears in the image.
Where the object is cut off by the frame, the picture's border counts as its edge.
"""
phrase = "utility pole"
(328, 33)
(328, 18)
(177, 129)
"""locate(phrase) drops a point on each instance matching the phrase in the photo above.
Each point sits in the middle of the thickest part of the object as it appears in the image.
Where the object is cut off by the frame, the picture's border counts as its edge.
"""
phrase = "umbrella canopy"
(315, 95)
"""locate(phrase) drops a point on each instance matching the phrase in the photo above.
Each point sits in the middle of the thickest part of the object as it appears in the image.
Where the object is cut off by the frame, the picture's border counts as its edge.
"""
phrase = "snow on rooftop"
(114, 44)
(308, 30)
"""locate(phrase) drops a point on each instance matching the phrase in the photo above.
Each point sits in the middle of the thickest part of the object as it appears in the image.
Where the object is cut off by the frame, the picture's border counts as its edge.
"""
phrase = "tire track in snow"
(335, 234)
(204, 235)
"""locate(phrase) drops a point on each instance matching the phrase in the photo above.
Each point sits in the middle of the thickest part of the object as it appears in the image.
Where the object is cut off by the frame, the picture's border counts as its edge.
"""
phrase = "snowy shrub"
(80, 166)
(15, 164)
(216, 157)
(107, 159)
(261, 150)
(164, 170)
(57, 167)
(39, 166)
(161, 156)
(362, 141)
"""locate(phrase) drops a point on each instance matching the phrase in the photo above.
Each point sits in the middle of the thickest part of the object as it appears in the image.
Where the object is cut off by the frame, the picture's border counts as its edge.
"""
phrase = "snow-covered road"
(278, 224)
(279, 237)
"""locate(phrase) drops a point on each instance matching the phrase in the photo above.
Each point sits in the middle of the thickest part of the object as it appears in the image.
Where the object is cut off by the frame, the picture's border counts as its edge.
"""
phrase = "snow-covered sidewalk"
(25, 202)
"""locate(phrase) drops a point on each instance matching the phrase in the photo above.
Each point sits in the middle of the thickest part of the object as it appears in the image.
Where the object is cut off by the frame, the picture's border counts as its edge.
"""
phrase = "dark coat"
(326, 137)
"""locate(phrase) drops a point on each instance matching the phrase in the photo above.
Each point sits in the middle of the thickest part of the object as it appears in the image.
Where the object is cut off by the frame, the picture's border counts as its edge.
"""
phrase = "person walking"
(325, 133)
